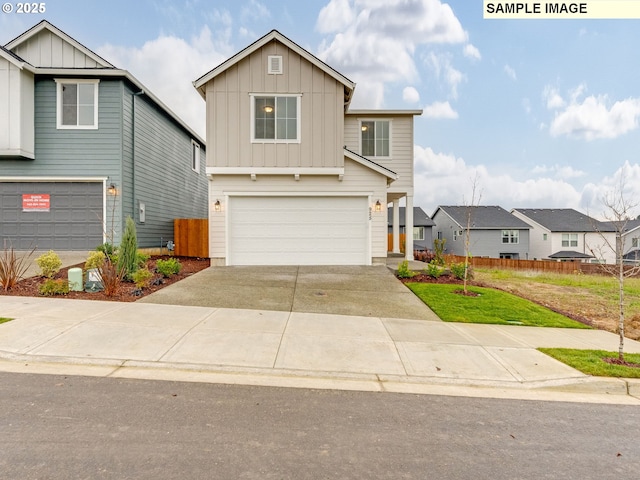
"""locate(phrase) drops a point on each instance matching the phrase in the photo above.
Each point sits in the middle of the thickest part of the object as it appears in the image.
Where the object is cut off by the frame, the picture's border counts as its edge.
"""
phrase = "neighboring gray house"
(564, 234)
(494, 232)
(422, 227)
(84, 144)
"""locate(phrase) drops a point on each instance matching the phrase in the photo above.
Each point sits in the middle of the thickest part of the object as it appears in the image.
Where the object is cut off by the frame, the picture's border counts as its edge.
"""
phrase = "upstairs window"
(376, 138)
(276, 118)
(418, 233)
(634, 242)
(510, 236)
(195, 156)
(77, 104)
(569, 239)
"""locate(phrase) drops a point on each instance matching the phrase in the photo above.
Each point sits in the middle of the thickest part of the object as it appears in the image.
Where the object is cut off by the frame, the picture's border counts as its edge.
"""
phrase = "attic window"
(275, 65)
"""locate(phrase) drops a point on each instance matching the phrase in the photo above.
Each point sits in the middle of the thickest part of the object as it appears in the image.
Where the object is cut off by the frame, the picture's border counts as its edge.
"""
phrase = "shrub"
(128, 251)
(433, 270)
(141, 259)
(438, 250)
(168, 267)
(423, 255)
(111, 275)
(95, 260)
(54, 287)
(49, 264)
(457, 270)
(404, 271)
(107, 248)
(141, 277)
(12, 268)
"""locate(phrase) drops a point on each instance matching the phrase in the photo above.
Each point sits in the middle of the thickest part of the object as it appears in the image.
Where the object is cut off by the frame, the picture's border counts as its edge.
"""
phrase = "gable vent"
(275, 65)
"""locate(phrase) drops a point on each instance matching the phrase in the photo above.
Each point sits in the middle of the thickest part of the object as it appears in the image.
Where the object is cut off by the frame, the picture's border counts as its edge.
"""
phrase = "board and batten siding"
(401, 148)
(161, 178)
(16, 116)
(357, 180)
(47, 50)
(229, 113)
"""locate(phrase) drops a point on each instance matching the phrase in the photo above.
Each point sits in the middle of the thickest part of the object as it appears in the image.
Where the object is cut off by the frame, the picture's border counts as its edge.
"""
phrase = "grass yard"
(490, 306)
(590, 362)
(592, 297)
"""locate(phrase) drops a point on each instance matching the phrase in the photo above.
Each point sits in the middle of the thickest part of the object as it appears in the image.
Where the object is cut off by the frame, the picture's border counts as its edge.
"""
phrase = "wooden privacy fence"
(535, 265)
(191, 237)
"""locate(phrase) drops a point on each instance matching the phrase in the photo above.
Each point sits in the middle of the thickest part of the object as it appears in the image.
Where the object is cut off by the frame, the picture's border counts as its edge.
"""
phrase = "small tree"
(475, 201)
(617, 212)
(127, 253)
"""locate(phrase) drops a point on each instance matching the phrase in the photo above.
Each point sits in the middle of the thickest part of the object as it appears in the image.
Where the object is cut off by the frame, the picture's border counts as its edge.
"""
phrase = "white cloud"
(377, 39)
(443, 179)
(558, 171)
(593, 195)
(410, 95)
(442, 67)
(254, 10)
(552, 97)
(595, 118)
(168, 65)
(511, 73)
(441, 110)
(470, 51)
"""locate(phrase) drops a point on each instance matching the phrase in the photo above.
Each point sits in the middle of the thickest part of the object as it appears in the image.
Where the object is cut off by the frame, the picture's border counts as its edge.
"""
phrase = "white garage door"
(298, 231)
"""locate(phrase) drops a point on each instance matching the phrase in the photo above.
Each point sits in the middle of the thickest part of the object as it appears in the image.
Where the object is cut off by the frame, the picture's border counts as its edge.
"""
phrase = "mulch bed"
(127, 292)
(617, 361)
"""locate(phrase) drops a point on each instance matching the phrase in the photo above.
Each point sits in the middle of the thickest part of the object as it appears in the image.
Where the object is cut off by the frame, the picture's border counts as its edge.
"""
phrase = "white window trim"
(570, 239)
(421, 231)
(59, 83)
(377, 157)
(252, 101)
(510, 236)
(196, 167)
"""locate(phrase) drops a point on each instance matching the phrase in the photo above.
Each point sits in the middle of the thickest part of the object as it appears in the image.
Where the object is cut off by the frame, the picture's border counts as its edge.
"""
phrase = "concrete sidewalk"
(294, 349)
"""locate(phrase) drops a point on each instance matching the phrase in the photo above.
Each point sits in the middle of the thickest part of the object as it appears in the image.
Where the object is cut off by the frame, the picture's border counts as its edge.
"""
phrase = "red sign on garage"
(36, 202)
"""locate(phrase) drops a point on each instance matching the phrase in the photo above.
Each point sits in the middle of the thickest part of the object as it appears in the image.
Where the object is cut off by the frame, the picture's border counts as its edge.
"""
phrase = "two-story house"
(564, 234)
(83, 145)
(294, 176)
(422, 229)
(493, 232)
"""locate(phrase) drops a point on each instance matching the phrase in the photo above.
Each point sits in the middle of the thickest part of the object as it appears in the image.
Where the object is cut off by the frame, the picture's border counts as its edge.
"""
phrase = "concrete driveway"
(371, 291)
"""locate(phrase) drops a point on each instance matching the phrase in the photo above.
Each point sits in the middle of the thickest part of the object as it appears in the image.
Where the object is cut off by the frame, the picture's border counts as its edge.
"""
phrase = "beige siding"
(16, 118)
(357, 180)
(50, 51)
(401, 158)
(229, 113)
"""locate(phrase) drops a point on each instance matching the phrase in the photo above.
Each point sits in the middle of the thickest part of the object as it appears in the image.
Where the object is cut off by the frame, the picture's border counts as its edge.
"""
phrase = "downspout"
(133, 153)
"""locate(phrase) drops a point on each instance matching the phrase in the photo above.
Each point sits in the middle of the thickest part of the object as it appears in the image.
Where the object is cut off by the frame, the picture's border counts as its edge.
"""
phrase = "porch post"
(396, 226)
(408, 228)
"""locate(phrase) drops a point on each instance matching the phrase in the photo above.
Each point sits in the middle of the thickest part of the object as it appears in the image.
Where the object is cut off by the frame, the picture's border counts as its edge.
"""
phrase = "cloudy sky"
(543, 113)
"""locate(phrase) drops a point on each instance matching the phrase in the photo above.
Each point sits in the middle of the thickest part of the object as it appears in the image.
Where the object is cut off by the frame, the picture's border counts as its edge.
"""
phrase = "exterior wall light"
(217, 206)
(111, 189)
(378, 207)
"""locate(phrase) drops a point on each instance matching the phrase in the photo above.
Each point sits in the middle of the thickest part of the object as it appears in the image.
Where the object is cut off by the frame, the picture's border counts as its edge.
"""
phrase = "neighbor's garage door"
(51, 215)
(298, 231)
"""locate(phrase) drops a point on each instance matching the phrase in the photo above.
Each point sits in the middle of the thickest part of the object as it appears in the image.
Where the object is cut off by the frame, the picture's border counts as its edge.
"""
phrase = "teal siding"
(164, 180)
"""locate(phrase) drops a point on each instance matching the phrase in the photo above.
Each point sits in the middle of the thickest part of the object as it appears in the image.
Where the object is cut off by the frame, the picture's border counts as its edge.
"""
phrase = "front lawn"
(489, 306)
(591, 362)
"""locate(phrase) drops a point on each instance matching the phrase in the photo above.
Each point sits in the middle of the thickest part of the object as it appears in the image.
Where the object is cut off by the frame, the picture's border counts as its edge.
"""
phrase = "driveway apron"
(371, 291)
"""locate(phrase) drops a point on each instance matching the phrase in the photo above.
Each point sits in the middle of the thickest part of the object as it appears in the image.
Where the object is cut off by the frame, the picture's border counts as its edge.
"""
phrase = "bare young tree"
(618, 209)
(476, 195)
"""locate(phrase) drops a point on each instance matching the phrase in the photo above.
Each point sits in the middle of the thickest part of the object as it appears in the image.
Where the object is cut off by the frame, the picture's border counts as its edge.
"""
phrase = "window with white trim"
(510, 236)
(456, 234)
(569, 239)
(418, 233)
(635, 242)
(77, 104)
(375, 138)
(275, 118)
(195, 156)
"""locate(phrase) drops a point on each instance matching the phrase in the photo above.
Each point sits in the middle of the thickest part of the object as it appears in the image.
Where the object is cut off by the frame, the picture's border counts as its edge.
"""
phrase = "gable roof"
(274, 35)
(46, 26)
(564, 220)
(105, 69)
(482, 217)
(14, 59)
(420, 218)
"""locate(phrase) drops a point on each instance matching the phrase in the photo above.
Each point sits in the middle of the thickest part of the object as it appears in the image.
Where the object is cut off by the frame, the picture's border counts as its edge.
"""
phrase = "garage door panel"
(298, 231)
(73, 221)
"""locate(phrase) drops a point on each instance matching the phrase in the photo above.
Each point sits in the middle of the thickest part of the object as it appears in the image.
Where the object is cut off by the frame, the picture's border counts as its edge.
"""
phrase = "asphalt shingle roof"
(484, 217)
(564, 220)
(420, 219)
